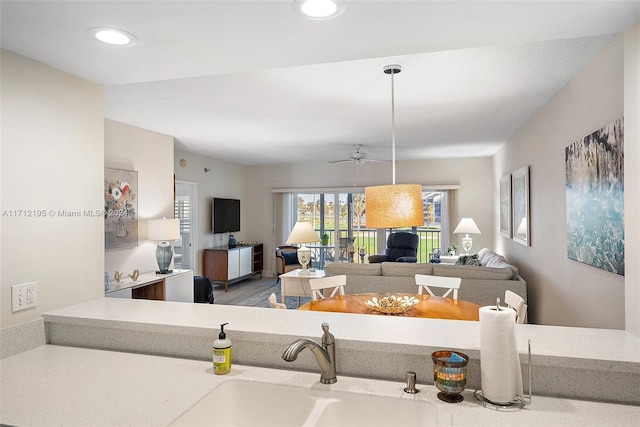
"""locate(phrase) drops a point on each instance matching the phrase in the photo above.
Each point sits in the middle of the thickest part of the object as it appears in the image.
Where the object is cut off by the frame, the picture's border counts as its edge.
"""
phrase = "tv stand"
(230, 265)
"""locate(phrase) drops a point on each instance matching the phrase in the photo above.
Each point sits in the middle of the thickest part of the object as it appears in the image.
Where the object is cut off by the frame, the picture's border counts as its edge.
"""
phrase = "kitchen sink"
(252, 403)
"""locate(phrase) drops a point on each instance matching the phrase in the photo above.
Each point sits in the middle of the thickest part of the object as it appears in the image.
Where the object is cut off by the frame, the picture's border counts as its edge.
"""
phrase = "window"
(342, 215)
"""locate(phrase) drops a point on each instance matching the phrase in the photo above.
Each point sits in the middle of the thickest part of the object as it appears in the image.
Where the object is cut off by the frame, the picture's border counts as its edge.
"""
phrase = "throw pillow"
(474, 261)
(468, 260)
(290, 258)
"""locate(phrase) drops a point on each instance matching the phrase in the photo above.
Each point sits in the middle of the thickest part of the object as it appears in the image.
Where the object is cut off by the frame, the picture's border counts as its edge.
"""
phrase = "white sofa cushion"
(491, 259)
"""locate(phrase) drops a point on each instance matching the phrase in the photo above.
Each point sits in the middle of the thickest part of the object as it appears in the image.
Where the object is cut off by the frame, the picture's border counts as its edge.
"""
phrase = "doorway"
(185, 208)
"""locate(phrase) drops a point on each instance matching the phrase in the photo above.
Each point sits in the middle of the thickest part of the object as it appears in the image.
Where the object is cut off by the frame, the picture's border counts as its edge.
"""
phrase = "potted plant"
(324, 238)
(451, 250)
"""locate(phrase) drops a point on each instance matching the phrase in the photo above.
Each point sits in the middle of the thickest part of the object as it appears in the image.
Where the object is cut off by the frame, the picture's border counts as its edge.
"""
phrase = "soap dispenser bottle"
(222, 353)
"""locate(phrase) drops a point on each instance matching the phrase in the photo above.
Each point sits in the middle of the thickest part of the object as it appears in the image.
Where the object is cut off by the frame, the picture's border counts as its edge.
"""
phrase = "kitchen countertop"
(603, 347)
(574, 363)
(78, 386)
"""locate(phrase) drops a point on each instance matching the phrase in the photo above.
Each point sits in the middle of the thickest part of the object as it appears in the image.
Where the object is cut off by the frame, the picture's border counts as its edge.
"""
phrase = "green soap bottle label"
(221, 360)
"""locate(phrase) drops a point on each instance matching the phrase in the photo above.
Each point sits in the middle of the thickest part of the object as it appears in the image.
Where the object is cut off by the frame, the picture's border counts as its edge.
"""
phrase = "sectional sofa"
(481, 284)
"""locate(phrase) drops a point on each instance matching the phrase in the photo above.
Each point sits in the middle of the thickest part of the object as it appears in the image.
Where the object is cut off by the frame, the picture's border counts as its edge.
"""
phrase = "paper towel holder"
(514, 405)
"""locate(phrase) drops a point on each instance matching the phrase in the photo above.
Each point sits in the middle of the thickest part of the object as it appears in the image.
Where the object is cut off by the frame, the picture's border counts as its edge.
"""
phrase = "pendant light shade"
(393, 206)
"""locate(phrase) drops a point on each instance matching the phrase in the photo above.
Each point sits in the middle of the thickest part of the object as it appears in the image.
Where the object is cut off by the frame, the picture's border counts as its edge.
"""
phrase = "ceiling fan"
(356, 157)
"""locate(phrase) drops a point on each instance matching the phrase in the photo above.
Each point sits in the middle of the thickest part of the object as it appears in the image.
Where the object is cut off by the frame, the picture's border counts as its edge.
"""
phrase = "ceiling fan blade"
(334, 162)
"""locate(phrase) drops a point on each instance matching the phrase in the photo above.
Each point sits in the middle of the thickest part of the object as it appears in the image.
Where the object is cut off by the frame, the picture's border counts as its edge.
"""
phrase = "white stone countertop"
(603, 349)
(53, 385)
(573, 363)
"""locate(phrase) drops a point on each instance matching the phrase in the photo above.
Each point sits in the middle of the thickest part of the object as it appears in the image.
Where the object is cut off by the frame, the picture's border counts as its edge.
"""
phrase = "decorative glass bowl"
(392, 304)
(450, 377)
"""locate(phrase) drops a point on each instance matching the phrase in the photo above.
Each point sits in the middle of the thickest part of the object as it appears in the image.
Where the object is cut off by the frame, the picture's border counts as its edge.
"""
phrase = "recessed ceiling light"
(319, 9)
(113, 36)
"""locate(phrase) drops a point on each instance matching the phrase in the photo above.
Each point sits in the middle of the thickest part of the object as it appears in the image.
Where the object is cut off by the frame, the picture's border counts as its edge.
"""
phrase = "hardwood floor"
(242, 290)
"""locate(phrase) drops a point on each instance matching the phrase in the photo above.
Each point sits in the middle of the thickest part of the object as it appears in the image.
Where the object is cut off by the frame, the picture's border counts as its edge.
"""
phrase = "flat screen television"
(225, 215)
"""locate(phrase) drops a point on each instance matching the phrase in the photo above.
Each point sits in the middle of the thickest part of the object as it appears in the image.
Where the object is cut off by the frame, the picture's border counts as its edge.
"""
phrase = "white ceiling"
(252, 82)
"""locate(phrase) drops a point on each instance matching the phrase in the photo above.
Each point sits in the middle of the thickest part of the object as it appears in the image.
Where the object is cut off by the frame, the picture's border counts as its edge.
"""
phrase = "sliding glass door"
(342, 217)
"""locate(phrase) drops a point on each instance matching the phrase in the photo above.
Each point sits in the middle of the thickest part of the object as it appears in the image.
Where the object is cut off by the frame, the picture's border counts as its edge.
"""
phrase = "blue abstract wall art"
(595, 198)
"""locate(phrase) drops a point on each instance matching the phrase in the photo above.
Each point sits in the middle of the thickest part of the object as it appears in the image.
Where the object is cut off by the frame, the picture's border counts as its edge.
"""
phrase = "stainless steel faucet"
(325, 355)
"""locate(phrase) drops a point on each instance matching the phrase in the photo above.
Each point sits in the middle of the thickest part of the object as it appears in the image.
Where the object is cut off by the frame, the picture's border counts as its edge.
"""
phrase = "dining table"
(427, 307)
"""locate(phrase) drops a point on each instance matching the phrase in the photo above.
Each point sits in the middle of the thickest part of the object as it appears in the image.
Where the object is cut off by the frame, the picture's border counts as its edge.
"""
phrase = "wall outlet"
(24, 296)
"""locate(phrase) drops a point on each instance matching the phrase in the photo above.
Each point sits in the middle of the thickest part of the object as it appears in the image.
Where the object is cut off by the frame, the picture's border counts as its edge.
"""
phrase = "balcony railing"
(429, 240)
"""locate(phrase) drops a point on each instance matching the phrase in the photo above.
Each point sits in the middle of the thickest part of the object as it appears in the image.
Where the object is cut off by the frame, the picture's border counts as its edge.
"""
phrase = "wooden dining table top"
(427, 307)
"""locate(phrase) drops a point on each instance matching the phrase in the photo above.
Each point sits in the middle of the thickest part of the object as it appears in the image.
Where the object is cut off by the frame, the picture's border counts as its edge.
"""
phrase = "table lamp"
(163, 230)
(302, 233)
(467, 226)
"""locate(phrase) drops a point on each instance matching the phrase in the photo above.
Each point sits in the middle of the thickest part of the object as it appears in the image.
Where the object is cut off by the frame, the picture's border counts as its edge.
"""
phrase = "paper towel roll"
(500, 371)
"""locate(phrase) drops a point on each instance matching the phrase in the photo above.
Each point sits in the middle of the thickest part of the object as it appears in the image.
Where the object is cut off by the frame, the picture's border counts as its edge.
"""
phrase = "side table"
(294, 283)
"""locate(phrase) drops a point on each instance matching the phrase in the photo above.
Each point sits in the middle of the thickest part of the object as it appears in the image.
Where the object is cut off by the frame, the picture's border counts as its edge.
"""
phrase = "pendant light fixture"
(393, 206)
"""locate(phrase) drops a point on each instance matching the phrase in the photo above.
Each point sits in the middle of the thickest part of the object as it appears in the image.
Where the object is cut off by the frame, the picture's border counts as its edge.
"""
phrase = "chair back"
(273, 302)
(516, 302)
(426, 282)
(318, 286)
(343, 249)
(401, 244)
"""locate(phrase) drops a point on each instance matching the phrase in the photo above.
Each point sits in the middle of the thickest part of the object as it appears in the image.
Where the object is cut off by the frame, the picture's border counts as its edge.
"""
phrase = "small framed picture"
(520, 220)
(120, 209)
(505, 206)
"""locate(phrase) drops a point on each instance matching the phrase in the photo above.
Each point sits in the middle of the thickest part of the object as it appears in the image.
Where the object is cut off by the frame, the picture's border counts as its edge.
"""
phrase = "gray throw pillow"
(468, 260)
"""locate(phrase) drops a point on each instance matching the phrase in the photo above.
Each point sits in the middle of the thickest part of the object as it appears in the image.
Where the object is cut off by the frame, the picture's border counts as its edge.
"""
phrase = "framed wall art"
(520, 220)
(595, 198)
(505, 206)
(120, 209)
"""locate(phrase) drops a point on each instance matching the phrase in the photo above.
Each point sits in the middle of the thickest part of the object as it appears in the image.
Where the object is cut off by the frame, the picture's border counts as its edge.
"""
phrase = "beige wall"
(226, 180)
(151, 155)
(632, 177)
(473, 175)
(563, 291)
(52, 160)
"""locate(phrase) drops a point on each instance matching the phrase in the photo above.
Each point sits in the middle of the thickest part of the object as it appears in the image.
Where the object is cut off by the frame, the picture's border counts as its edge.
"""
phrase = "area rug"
(261, 299)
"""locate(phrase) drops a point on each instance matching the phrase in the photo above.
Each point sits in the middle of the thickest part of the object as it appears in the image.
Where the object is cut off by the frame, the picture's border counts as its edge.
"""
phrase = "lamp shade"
(303, 232)
(164, 229)
(467, 226)
(392, 206)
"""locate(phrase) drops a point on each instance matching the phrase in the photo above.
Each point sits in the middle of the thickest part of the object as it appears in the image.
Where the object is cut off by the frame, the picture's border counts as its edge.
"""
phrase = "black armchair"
(401, 247)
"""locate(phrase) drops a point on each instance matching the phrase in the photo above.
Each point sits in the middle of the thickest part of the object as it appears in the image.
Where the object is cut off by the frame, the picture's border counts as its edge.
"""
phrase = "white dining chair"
(318, 286)
(273, 302)
(516, 302)
(426, 282)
